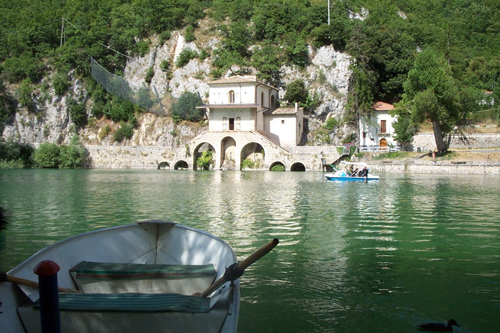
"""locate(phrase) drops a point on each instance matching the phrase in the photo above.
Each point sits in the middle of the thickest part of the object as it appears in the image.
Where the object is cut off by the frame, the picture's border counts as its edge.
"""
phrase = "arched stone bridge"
(239, 150)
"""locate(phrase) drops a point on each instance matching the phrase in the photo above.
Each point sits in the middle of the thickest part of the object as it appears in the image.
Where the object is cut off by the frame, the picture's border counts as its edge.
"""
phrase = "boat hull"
(351, 179)
(147, 242)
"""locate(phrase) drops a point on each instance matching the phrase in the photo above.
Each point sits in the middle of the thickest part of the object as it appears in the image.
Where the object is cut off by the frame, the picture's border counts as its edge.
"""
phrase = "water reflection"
(375, 256)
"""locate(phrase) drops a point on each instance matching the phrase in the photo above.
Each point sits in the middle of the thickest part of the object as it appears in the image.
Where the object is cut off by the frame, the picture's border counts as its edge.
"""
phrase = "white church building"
(248, 130)
(243, 104)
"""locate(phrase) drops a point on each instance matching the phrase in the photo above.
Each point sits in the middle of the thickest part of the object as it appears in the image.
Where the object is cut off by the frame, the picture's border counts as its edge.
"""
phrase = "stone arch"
(228, 153)
(164, 165)
(181, 165)
(276, 164)
(255, 154)
(298, 166)
(198, 152)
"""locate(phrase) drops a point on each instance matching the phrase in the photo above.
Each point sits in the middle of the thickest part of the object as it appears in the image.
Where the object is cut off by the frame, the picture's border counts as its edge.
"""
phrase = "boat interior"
(123, 274)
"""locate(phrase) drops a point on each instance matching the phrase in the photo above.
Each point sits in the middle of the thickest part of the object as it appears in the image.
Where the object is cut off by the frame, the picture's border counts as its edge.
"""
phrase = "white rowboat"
(142, 277)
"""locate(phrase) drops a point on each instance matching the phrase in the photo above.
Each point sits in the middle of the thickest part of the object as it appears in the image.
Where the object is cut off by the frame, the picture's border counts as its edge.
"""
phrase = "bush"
(104, 132)
(16, 155)
(248, 164)
(185, 57)
(77, 113)
(165, 65)
(47, 155)
(72, 156)
(24, 93)
(331, 123)
(60, 84)
(125, 131)
(189, 34)
(98, 109)
(205, 160)
(120, 110)
(7, 106)
(149, 75)
(50, 155)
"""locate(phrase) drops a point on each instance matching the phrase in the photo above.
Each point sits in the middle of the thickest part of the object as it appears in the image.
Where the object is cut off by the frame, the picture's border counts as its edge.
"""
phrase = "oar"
(236, 270)
(28, 283)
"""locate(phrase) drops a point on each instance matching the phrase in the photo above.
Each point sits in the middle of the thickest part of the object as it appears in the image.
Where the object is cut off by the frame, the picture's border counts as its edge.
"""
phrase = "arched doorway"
(297, 167)
(252, 156)
(204, 157)
(277, 166)
(228, 152)
(383, 143)
(163, 165)
(181, 165)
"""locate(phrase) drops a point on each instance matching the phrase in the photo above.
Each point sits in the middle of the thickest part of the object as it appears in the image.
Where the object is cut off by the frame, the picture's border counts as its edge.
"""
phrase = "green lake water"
(353, 257)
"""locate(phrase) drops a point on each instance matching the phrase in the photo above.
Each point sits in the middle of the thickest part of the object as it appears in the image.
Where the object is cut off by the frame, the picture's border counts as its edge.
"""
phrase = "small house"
(378, 131)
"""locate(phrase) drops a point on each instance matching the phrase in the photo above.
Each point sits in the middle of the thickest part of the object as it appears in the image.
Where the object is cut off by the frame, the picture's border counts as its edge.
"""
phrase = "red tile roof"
(382, 106)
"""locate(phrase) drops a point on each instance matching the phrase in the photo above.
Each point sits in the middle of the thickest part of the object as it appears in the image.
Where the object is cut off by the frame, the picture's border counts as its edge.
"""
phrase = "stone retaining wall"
(426, 141)
(127, 157)
(457, 168)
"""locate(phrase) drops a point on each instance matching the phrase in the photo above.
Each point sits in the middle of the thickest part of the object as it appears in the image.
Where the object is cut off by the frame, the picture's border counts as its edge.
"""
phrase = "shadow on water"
(3, 219)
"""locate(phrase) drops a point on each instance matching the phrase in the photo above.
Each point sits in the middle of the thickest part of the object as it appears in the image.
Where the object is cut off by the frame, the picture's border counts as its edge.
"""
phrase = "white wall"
(282, 130)
(372, 129)
(244, 93)
(246, 120)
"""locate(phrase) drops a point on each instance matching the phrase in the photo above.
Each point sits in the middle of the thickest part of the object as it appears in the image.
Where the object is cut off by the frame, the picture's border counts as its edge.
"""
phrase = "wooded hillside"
(47, 36)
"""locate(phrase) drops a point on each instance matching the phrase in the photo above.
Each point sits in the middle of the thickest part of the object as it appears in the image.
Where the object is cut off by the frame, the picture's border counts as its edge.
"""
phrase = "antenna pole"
(62, 31)
(328, 12)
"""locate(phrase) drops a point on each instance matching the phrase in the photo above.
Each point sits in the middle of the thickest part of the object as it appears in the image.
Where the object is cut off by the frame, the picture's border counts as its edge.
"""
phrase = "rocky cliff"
(326, 78)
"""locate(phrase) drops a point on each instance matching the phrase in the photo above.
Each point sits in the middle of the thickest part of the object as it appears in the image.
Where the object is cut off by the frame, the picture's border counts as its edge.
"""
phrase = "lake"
(353, 257)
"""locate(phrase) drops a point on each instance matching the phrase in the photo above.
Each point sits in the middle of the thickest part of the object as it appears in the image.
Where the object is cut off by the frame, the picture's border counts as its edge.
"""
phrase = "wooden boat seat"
(132, 302)
(111, 278)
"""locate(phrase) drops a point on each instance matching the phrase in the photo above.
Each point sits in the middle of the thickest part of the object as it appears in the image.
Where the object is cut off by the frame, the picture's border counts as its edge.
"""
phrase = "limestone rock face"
(326, 77)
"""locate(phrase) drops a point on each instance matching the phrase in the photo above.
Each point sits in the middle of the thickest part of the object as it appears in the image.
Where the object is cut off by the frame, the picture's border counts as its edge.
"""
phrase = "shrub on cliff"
(185, 108)
(77, 113)
(126, 131)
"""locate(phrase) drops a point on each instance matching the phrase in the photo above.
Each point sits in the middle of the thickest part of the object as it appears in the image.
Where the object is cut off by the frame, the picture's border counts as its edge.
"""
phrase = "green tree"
(296, 92)
(432, 95)
(185, 108)
(267, 61)
(404, 128)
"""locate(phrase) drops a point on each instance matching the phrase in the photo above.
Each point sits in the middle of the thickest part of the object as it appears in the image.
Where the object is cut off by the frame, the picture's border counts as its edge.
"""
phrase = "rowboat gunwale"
(11, 294)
